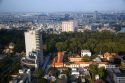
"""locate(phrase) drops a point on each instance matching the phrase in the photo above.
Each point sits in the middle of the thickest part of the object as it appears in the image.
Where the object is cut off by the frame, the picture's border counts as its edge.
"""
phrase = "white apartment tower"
(33, 42)
(69, 26)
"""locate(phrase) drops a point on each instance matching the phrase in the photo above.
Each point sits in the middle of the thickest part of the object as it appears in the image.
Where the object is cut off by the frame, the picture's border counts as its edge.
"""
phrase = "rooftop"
(85, 50)
(120, 74)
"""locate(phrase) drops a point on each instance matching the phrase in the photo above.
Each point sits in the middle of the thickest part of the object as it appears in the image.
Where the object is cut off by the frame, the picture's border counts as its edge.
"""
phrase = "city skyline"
(61, 5)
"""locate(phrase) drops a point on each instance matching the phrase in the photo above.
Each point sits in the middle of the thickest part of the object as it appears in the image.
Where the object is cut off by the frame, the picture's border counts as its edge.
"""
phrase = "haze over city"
(62, 41)
(61, 5)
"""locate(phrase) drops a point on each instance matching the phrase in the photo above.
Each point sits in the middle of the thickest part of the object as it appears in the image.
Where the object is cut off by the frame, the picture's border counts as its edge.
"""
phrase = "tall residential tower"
(34, 49)
(33, 41)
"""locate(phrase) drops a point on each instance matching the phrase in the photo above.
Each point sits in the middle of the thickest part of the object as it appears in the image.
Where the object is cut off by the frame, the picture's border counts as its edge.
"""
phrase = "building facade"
(34, 49)
(33, 42)
(69, 26)
(85, 53)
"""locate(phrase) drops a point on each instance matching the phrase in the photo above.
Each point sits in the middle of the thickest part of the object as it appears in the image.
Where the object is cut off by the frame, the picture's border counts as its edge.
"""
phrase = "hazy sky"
(61, 5)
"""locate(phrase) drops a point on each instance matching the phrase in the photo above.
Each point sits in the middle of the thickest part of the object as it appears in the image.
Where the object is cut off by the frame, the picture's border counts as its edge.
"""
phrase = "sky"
(61, 5)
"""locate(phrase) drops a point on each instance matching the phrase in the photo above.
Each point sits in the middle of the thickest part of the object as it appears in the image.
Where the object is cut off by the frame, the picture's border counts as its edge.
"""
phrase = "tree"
(60, 46)
(101, 72)
(93, 69)
(67, 72)
(54, 72)
(38, 73)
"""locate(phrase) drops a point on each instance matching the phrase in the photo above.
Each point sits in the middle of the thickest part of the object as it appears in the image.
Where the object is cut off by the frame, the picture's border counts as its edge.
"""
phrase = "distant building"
(85, 53)
(122, 30)
(106, 29)
(88, 28)
(69, 26)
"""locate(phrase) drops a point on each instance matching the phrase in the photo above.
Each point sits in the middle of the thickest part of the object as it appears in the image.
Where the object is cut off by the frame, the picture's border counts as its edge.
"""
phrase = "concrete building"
(117, 75)
(80, 64)
(24, 76)
(75, 59)
(33, 42)
(69, 26)
(34, 49)
(85, 53)
(32, 61)
(75, 72)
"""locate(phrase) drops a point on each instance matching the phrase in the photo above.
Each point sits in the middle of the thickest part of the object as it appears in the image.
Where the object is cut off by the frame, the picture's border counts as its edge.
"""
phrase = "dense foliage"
(95, 70)
(15, 36)
(8, 66)
(71, 42)
(95, 41)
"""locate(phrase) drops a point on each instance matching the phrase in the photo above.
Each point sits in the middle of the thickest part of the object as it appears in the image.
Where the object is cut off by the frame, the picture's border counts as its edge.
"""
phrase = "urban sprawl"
(62, 47)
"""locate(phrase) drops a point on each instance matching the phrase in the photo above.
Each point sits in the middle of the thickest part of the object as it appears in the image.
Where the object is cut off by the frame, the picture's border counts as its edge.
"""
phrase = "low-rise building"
(85, 53)
(62, 78)
(32, 61)
(109, 56)
(79, 64)
(117, 75)
(24, 76)
(75, 72)
(110, 66)
(75, 59)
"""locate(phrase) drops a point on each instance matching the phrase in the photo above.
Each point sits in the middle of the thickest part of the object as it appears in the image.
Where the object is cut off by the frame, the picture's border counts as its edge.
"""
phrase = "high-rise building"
(34, 49)
(33, 42)
(69, 26)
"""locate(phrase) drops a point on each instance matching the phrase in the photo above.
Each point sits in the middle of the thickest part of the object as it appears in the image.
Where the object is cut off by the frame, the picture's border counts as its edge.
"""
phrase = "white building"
(80, 64)
(32, 61)
(34, 49)
(23, 76)
(97, 77)
(85, 53)
(69, 26)
(75, 72)
(119, 78)
(33, 42)
(117, 75)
